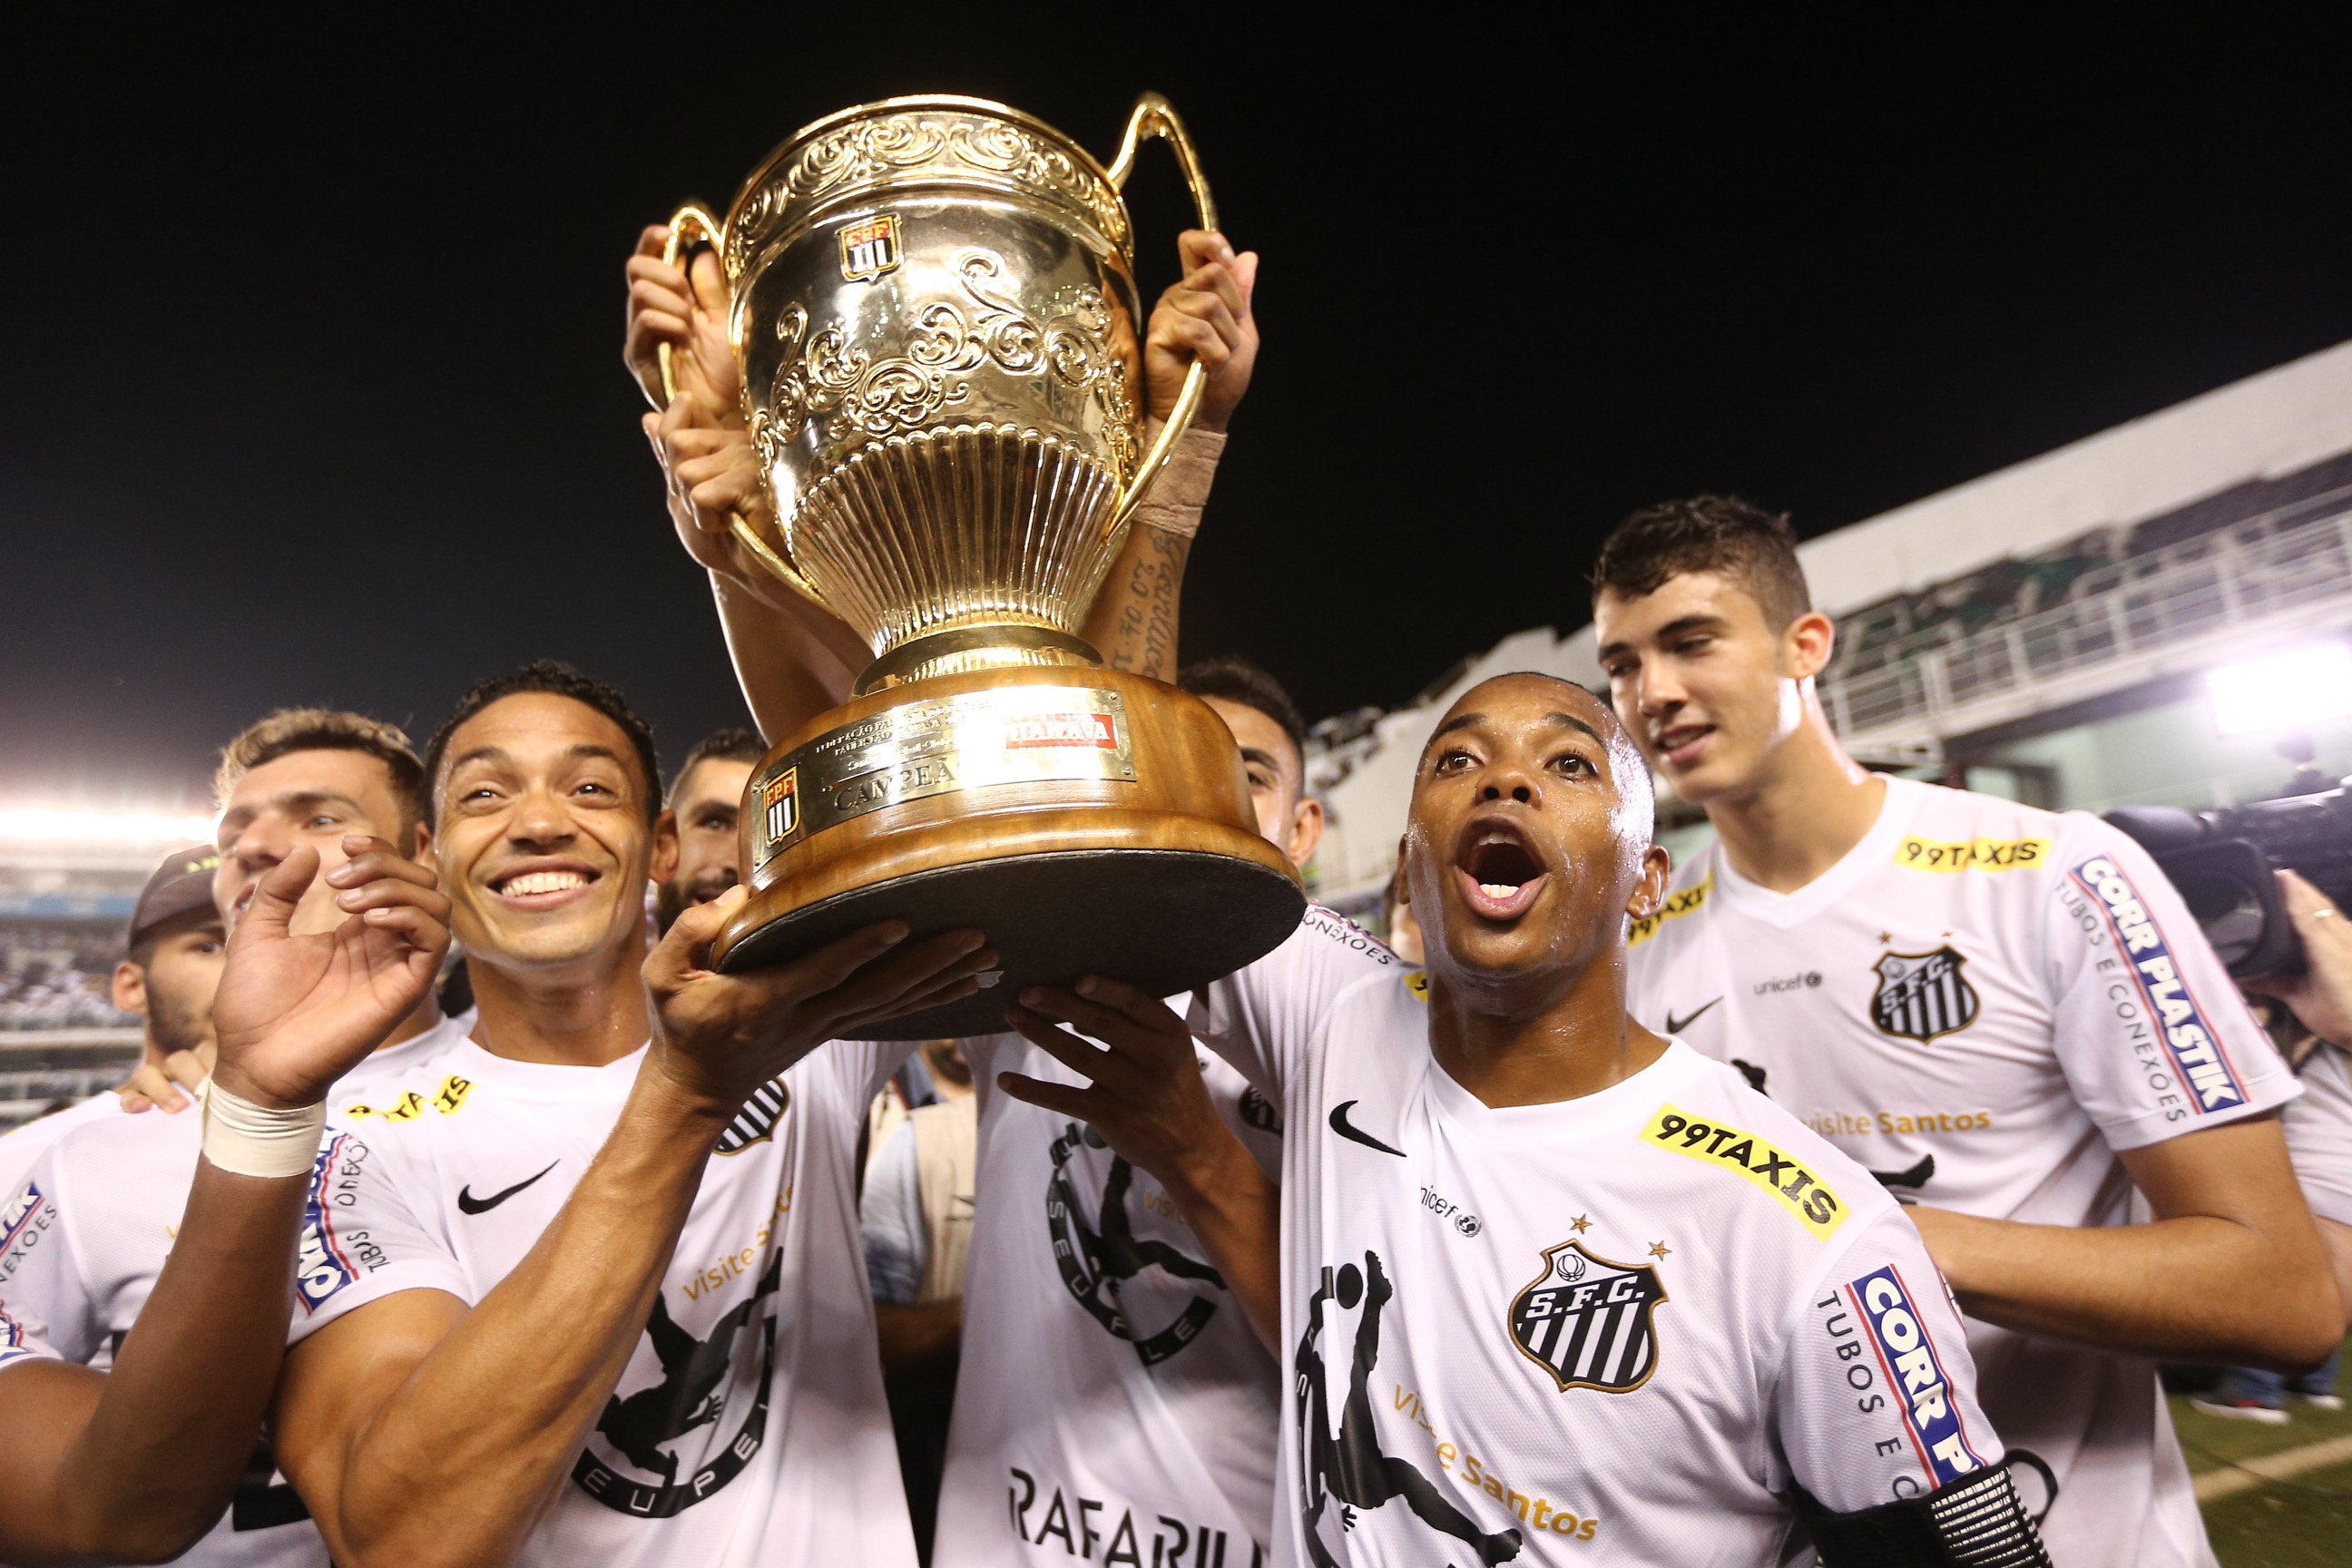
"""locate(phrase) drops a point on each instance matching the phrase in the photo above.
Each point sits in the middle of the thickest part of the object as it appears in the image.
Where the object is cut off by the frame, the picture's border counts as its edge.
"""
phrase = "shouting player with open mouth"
(1551, 1287)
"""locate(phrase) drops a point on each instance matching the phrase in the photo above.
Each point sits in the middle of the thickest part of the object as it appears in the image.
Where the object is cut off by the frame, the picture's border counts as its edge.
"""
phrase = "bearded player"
(1546, 1277)
(2007, 1014)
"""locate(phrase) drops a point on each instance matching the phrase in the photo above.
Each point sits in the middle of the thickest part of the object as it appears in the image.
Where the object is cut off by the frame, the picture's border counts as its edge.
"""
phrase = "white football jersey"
(1615, 1328)
(749, 1427)
(2319, 1134)
(1112, 1402)
(1980, 1005)
(21, 1149)
(93, 1224)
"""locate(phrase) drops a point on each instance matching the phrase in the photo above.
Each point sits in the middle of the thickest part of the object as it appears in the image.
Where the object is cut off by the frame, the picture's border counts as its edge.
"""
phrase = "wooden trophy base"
(1091, 821)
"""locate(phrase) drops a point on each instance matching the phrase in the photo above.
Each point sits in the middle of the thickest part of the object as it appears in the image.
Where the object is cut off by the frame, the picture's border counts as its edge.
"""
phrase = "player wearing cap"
(171, 963)
(166, 1278)
(2006, 1015)
(705, 801)
(1110, 1387)
(1551, 1285)
(570, 1297)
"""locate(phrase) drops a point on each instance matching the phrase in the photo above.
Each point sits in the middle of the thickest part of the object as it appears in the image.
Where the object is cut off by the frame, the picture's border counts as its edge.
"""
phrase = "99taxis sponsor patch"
(2197, 1053)
(1757, 1162)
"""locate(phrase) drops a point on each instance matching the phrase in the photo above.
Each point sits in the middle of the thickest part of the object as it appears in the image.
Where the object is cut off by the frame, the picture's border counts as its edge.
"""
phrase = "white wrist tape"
(1173, 502)
(249, 1140)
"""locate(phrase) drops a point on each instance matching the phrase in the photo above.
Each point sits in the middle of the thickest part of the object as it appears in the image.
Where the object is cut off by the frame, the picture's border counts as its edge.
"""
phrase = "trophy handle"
(688, 226)
(1153, 116)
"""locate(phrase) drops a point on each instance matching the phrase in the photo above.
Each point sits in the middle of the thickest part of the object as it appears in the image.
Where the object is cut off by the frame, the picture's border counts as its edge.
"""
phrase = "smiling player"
(1554, 1288)
(2005, 1013)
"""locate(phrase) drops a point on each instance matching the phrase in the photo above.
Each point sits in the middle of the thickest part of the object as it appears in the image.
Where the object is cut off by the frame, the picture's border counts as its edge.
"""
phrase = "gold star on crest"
(1580, 1224)
(1659, 1249)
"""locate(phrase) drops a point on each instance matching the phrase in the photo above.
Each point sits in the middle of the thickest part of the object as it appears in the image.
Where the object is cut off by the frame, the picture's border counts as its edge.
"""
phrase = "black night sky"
(314, 391)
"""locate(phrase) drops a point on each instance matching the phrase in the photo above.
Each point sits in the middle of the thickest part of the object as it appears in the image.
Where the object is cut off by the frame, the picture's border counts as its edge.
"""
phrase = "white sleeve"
(1262, 1019)
(2150, 1031)
(2319, 1134)
(361, 1239)
(45, 1307)
(1877, 1400)
(890, 1222)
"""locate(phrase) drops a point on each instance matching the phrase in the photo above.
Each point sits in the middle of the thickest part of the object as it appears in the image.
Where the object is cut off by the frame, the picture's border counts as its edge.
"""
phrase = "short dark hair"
(733, 744)
(559, 680)
(290, 730)
(1707, 533)
(1236, 679)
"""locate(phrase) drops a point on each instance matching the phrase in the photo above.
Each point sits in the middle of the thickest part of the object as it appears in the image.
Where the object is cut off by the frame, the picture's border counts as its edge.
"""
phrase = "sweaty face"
(1277, 780)
(1529, 837)
(708, 802)
(304, 797)
(180, 980)
(545, 838)
(1706, 688)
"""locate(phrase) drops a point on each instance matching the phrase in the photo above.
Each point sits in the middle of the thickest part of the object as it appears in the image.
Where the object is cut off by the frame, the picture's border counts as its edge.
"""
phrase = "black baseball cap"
(183, 882)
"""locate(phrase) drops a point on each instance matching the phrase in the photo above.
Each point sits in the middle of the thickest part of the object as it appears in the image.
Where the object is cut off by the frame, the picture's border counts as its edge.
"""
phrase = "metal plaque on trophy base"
(935, 311)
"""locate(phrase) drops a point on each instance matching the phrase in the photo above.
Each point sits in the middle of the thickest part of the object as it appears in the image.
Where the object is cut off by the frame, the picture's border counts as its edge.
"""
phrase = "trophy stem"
(964, 650)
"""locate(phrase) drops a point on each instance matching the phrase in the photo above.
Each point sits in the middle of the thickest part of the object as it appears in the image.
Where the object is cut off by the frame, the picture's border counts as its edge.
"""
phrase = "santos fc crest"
(1589, 1322)
(1921, 995)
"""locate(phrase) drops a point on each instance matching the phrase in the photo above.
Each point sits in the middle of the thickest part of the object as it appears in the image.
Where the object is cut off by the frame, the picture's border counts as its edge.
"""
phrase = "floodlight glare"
(2283, 691)
(135, 828)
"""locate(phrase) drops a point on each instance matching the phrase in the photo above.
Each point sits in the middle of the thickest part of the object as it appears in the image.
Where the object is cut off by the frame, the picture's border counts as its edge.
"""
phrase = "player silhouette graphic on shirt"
(689, 1393)
(1350, 1468)
(1097, 1262)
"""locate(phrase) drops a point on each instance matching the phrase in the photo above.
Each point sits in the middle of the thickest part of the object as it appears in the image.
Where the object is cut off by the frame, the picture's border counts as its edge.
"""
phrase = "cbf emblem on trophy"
(869, 248)
(951, 455)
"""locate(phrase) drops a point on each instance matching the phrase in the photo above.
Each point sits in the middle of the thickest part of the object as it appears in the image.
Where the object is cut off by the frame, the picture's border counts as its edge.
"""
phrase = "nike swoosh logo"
(1339, 1124)
(1676, 1026)
(468, 1203)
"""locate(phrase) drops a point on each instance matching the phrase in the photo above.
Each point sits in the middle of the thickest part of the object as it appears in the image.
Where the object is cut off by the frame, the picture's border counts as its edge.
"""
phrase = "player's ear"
(665, 860)
(1650, 887)
(128, 990)
(1305, 830)
(1807, 643)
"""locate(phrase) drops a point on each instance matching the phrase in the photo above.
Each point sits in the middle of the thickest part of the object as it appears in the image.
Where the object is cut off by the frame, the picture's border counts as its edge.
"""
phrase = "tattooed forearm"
(1142, 627)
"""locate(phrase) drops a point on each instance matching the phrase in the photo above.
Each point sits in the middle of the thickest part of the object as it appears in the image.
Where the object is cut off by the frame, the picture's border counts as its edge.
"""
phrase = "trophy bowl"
(934, 307)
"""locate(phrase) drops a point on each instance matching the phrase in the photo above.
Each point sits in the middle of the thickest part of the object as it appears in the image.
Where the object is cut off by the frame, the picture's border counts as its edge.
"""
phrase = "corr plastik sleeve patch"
(1793, 1185)
(2197, 1052)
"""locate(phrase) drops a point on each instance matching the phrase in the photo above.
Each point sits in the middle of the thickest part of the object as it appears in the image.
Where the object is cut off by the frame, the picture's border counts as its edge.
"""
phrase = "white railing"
(2120, 624)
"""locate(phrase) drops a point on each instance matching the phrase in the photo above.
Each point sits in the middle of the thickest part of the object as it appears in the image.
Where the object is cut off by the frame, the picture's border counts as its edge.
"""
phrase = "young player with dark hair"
(2007, 1014)
(578, 1294)
(704, 805)
(1545, 1277)
(146, 1264)
(1273, 739)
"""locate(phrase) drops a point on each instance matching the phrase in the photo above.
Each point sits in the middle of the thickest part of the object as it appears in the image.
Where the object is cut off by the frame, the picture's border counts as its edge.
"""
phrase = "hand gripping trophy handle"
(1152, 116)
(688, 226)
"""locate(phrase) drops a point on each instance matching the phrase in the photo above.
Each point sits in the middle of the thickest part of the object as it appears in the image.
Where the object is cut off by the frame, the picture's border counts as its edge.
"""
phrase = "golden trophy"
(934, 307)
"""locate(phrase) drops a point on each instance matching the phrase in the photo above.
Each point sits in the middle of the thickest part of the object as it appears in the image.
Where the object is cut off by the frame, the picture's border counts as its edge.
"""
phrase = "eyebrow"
(1563, 721)
(1265, 759)
(1675, 628)
(499, 755)
(293, 801)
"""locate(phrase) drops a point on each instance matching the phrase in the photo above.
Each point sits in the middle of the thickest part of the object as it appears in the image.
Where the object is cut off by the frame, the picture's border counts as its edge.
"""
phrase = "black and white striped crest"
(758, 1119)
(1923, 995)
(1589, 1322)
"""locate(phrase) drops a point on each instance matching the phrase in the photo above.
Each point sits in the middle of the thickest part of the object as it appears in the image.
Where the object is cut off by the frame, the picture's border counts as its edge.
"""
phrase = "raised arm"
(383, 1421)
(1148, 1101)
(2228, 1216)
(793, 659)
(134, 1465)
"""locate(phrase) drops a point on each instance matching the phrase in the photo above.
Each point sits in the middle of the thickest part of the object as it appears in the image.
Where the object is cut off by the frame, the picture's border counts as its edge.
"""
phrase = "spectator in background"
(176, 941)
(704, 804)
(915, 1215)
